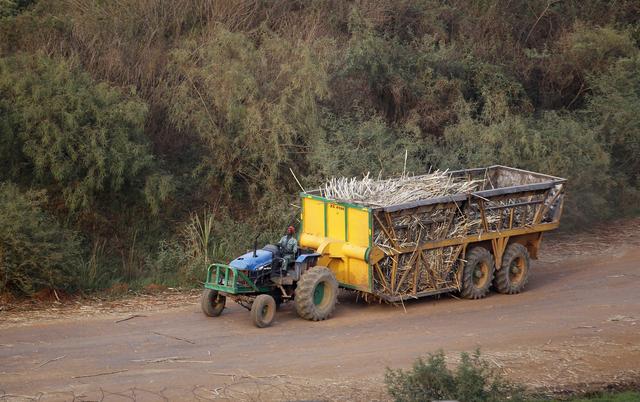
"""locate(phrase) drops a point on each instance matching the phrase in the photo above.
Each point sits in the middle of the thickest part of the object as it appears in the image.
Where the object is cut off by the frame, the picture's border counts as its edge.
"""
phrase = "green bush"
(134, 114)
(208, 237)
(612, 109)
(472, 381)
(629, 396)
(251, 107)
(351, 147)
(35, 251)
(553, 143)
(63, 130)
(173, 266)
(10, 8)
(95, 272)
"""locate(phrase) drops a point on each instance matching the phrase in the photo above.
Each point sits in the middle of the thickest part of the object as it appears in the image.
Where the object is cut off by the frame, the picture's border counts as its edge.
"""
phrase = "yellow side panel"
(313, 217)
(357, 274)
(353, 271)
(335, 222)
(358, 227)
(344, 227)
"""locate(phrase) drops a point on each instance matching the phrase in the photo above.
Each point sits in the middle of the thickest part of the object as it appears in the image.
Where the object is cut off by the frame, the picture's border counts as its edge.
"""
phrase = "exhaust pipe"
(255, 246)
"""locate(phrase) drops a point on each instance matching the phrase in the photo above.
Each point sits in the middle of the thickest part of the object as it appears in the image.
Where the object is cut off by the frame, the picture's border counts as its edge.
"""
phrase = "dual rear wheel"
(479, 272)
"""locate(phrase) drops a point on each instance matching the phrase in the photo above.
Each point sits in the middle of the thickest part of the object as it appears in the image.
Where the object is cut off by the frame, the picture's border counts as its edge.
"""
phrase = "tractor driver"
(289, 246)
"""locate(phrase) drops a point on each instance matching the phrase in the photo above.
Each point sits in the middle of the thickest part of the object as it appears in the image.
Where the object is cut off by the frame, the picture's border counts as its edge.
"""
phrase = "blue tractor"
(260, 281)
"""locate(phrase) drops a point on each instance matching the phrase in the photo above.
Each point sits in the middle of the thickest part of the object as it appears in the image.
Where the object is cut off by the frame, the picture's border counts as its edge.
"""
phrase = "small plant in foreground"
(472, 381)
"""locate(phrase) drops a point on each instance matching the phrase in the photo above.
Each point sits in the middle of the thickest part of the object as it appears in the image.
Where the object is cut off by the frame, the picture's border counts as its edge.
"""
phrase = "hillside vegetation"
(140, 139)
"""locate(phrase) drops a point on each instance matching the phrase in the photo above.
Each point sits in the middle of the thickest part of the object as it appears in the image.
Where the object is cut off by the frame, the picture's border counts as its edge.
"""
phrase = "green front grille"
(224, 278)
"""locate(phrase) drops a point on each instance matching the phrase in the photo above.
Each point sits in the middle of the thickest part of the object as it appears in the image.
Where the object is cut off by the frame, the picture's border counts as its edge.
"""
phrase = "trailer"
(482, 236)
(456, 243)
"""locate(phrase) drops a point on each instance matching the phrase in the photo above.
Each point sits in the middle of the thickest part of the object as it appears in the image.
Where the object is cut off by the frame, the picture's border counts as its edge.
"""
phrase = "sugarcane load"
(466, 231)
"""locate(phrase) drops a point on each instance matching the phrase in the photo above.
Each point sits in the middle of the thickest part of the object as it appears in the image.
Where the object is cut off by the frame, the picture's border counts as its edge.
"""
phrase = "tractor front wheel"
(316, 294)
(263, 310)
(212, 303)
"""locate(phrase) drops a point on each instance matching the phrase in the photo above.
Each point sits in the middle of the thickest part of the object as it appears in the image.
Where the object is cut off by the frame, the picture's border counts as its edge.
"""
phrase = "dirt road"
(578, 322)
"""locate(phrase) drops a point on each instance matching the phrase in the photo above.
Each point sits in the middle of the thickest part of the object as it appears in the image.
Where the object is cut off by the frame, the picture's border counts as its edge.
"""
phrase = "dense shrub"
(472, 381)
(35, 250)
(134, 114)
(350, 147)
(553, 143)
(61, 129)
(613, 112)
(252, 107)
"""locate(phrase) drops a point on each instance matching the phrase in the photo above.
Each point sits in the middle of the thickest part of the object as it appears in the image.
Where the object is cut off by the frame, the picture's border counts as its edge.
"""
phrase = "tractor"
(260, 281)
(459, 243)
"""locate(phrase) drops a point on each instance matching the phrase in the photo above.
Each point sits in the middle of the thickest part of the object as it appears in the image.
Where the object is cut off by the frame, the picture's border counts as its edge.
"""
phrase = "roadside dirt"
(576, 327)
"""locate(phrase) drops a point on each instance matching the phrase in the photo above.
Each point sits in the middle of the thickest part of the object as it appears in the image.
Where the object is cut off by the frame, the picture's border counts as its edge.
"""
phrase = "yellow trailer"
(505, 217)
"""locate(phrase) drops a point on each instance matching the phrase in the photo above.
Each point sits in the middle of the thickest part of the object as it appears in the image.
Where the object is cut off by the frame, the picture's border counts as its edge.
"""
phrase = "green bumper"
(226, 279)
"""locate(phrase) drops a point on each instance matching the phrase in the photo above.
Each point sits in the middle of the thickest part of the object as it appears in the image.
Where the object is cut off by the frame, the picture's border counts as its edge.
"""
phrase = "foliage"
(133, 115)
(93, 272)
(252, 107)
(79, 137)
(10, 8)
(473, 380)
(198, 239)
(629, 396)
(35, 250)
(172, 265)
(613, 111)
(352, 146)
(551, 142)
(204, 239)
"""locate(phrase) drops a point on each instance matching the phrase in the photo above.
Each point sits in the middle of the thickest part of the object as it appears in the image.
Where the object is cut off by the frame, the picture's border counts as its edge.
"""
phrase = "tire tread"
(502, 282)
(468, 289)
(305, 306)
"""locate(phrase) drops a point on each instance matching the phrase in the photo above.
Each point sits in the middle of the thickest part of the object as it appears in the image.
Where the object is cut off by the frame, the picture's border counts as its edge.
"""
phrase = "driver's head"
(291, 230)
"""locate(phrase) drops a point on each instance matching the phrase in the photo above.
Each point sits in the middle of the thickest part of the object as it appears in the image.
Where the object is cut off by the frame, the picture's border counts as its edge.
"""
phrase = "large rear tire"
(212, 303)
(263, 310)
(477, 274)
(316, 294)
(514, 273)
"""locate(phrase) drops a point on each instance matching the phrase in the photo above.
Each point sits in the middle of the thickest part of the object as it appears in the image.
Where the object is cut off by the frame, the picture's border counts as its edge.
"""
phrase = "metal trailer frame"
(514, 190)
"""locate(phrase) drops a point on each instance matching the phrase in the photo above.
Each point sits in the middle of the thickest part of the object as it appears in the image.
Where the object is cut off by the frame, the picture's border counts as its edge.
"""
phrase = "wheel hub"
(318, 294)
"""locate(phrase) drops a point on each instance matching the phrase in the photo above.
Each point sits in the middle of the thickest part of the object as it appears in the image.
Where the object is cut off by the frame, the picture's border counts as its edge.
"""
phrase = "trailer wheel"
(316, 294)
(477, 274)
(212, 303)
(513, 275)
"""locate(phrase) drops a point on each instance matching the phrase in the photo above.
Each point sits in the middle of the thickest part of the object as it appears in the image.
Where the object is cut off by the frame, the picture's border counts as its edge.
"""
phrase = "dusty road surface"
(577, 323)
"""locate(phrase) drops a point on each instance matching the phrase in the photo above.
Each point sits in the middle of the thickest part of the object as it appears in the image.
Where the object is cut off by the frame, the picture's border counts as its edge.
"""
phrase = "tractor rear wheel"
(263, 310)
(316, 294)
(513, 274)
(212, 303)
(477, 273)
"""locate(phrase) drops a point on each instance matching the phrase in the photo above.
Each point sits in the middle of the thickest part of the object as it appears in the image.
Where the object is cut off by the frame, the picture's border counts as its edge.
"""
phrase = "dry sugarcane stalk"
(377, 192)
